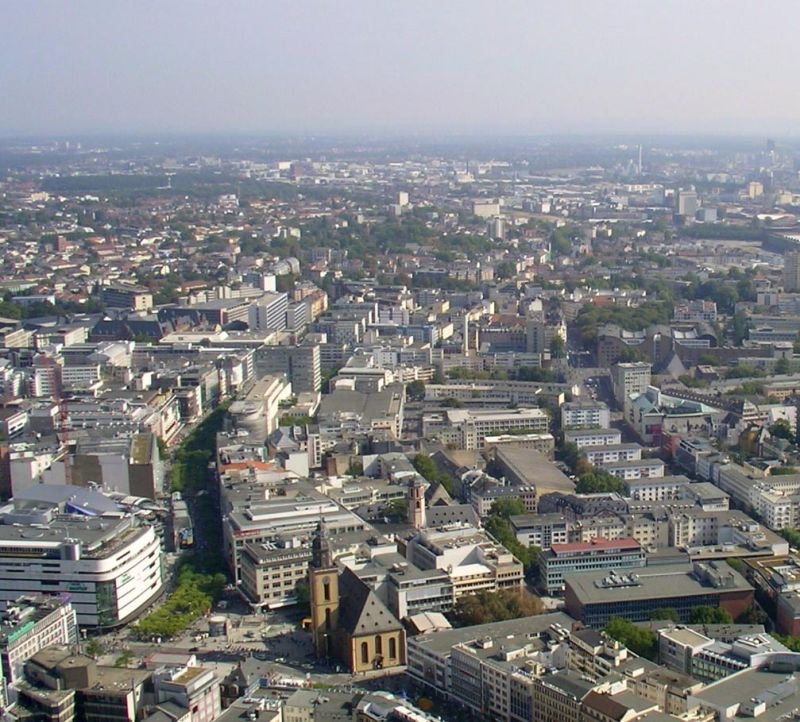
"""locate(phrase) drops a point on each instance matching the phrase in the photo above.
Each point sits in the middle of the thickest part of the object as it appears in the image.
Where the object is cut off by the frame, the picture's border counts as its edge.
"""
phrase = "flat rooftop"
(528, 521)
(778, 691)
(19, 616)
(456, 416)
(578, 433)
(597, 544)
(532, 468)
(634, 463)
(668, 581)
(441, 641)
(610, 447)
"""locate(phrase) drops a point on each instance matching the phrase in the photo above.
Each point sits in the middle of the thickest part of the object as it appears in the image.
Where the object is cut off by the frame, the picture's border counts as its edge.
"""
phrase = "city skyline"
(388, 68)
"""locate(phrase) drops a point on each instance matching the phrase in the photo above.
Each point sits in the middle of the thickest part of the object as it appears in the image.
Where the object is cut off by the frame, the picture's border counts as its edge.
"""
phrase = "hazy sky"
(416, 66)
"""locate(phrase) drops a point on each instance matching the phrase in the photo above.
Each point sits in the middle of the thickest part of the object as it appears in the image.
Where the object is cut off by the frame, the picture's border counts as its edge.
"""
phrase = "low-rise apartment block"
(635, 469)
(584, 438)
(596, 554)
(540, 530)
(612, 453)
(585, 415)
(468, 429)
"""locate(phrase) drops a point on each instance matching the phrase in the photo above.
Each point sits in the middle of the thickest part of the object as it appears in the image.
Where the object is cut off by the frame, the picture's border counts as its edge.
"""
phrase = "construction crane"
(53, 372)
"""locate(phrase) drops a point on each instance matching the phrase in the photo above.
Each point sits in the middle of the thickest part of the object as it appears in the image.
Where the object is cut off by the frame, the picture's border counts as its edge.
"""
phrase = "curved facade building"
(68, 540)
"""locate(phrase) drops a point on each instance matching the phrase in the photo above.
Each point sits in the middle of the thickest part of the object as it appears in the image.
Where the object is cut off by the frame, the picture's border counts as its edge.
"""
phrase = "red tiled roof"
(598, 544)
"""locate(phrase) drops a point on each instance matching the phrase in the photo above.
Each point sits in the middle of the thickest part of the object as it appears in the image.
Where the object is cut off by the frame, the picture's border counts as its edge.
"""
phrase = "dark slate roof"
(360, 610)
(605, 705)
(436, 494)
(444, 514)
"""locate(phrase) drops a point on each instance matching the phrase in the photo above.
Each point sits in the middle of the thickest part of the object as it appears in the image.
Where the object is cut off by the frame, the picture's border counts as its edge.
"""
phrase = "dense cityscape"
(399, 361)
(347, 429)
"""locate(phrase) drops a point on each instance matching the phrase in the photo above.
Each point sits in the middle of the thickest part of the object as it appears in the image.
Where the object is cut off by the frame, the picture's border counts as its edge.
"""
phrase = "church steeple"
(323, 582)
(321, 557)
(415, 503)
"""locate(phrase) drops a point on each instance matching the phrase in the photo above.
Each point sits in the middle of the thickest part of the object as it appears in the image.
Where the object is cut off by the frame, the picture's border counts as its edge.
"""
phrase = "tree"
(505, 269)
(629, 355)
(783, 366)
(193, 597)
(355, 468)
(792, 643)
(557, 347)
(507, 507)
(665, 613)
(560, 244)
(302, 594)
(498, 526)
(426, 467)
(124, 659)
(753, 615)
(397, 510)
(739, 328)
(570, 454)
(487, 607)
(744, 371)
(709, 615)
(640, 641)
(782, 429)
(634, 318)
(735, 563)
(93, 648)
(599, 481)
(416, 391)
(792, 536)
(533, 373)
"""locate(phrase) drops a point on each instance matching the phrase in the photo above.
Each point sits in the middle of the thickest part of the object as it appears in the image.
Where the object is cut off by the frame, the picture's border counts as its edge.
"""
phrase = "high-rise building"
(791, 271)
(630, 378)
(686, 203)
(301, 365)
(269, 312)
(496, 228)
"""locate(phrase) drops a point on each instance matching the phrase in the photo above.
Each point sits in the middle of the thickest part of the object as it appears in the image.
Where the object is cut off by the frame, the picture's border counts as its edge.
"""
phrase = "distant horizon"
(354, 136)
(462, 67)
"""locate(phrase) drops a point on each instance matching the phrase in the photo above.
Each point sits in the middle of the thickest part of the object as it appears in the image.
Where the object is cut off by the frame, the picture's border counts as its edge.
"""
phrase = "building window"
(378, 644)
(327, 618)
(364, 653)
(392, 648)
(326, 589)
